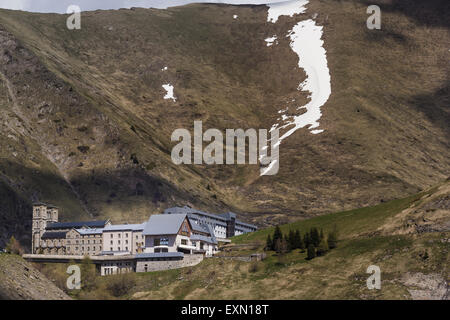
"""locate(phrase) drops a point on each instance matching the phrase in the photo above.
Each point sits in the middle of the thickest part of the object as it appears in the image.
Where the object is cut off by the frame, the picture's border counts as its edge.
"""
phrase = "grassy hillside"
(414, 262)
(84, 124)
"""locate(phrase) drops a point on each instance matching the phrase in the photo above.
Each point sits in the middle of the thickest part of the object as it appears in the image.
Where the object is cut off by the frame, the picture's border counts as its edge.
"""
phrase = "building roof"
(77, 225)
(54, 235)
(125, 227)
(196, 227)
(44, 204)
(198, 237)
(223, 217)
(114, 253)
(159, 224)
(187, 210)
(159, 255)
(89, 231)
(238, 222)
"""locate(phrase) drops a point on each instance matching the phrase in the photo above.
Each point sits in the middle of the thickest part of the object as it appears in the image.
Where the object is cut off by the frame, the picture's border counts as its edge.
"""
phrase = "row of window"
(126, 235)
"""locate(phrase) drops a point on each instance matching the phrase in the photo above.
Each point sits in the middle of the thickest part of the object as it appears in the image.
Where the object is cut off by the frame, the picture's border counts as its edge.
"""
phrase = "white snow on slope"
(169, 89)
(287, 8)
(271, 40)
(306, 42)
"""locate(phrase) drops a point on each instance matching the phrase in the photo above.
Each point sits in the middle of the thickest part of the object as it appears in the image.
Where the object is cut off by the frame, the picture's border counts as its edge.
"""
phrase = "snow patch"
(306, 42)
(164, 69)
(169, 92)
(288, 8)
(271, 40)
(235, 16)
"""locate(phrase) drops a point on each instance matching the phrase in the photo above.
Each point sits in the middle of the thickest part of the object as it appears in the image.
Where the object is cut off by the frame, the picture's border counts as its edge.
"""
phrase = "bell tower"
(43, 214)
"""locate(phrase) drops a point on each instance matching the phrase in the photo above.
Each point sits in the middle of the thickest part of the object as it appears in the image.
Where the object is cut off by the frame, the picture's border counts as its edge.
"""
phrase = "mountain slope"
(414, 261)
(85, 124)
(21, 281)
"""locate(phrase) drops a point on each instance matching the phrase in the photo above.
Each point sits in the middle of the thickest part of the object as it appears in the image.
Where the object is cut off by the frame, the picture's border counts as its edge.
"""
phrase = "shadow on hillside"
(120, 189)
(432, 13)
(436, 107)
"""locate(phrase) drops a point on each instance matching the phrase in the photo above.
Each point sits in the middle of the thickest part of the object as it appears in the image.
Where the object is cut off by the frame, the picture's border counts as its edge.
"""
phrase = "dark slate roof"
(199, 227)
(77, 225)
(159, 255)
(238, 222)
(54, 235)
(160, 224)
(219, 216)
(187, 210)
(197, 237)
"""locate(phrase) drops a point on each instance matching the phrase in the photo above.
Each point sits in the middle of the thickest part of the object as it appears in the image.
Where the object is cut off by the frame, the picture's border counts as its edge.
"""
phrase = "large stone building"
(65, 238)
(180, 237)
(123, 239)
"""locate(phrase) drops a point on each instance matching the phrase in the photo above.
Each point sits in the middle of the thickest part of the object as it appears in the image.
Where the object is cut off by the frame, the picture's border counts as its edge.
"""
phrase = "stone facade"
(148, 265)
(43, 214)
(124, 238)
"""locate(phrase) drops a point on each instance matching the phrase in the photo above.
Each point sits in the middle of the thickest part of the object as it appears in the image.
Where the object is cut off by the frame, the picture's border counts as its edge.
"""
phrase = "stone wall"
(187, 261)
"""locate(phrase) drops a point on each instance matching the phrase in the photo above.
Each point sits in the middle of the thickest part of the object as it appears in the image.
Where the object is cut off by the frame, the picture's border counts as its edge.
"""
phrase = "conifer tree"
(269, 243)
(298, 240)
(277, 235)
(291, 240)
(311, 253)
(332, 238)
(322, 248)
(314, 237)
(306, 240)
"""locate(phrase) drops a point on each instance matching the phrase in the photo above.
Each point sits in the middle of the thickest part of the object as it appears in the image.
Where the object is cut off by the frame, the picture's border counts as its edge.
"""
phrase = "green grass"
(349, 223)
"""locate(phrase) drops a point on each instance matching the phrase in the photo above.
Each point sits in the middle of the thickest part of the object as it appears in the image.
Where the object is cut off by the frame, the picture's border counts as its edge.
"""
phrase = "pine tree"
(311, 254)
(281, 246)
(277, 235)
(322, 248)
(269, 243)
(291, 240)
(306, 240)
(332, 238)
(298, 240)
(315, 237)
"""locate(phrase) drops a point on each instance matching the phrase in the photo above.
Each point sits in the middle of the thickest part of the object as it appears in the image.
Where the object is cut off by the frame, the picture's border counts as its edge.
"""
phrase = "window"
(111, 242)
(112, 235)
(118, 241)
(126, 235)
(164, 241)
(184, 242)
(126, 241)
(126, 248)
(111, 249)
